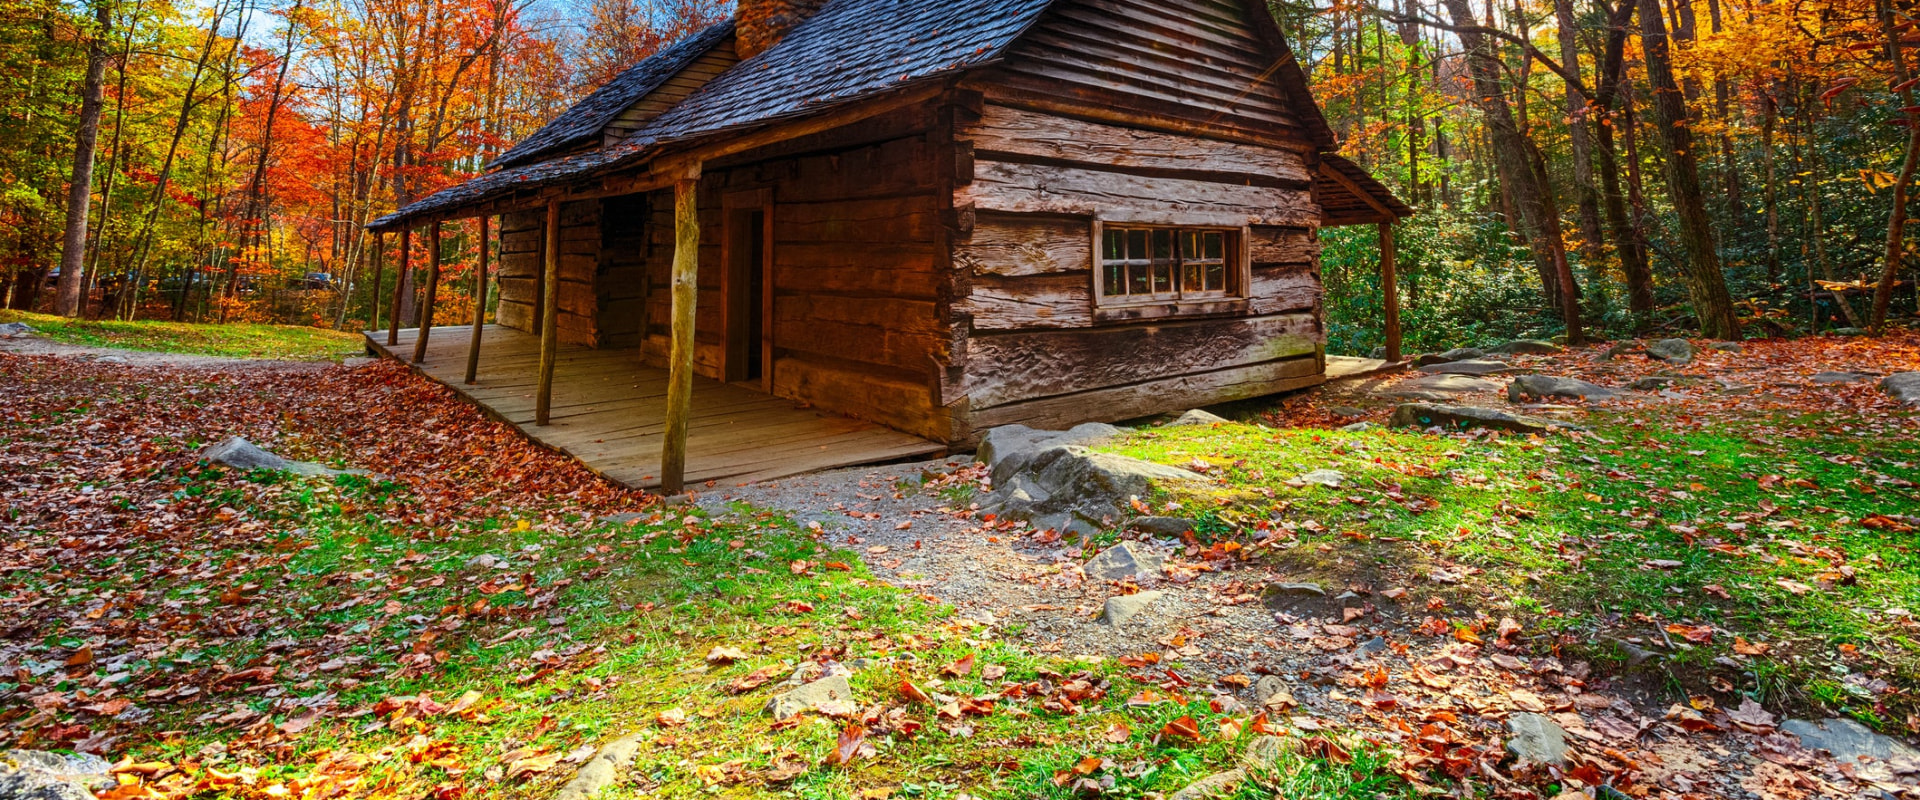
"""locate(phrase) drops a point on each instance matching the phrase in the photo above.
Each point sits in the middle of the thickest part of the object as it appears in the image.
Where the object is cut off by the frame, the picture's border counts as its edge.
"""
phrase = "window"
(1165, 265)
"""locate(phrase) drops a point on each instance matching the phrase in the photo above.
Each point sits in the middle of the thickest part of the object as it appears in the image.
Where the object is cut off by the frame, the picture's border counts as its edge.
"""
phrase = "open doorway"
(746, 288)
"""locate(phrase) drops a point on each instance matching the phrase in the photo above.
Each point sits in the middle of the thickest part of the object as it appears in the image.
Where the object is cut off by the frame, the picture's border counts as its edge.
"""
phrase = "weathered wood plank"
(1007, 368)
(1127, 402)
(1117, 197)
(1008, 245)
(1003, 129)
(1060, 300)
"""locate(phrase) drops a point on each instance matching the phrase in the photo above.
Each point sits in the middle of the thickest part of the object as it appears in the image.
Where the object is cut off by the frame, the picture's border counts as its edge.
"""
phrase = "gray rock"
(1439, 387)
(1296, 589)
(1618, 349)
(1531, 347)
(1125, 607)
(110, 360)
(1831, 378)
(1470, 367)
(1064, 522)
(1199, 416)
(1456, 354)
(1096, 486)
(486, 561)
(15, 330)
(829, 692)
(1848, 740)
(1848, 331)
(602, 770)
(1536, 738)
(239, 453)
(1360, 427)
(1125, 560)
(1263, 755)
(1347, 411)
(1543, 386)
(1904, 386)
(1429, 415)
(1212, 787)
(1271, 692)
(39, 775)
(1377, 644)
(1330, 478)
(1651, 383)
(1672, 351)
(1163, 526)
(1727, 347)
(1007, 449)
(357, 362)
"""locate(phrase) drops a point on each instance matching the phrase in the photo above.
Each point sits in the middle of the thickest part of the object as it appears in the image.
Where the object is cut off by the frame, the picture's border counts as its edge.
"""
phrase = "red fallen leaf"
(1699, 634)
(958, 668)
(912, 692)
(1689, 719)
(81, 657)
(1507, 629)
(754, 680)
(1119, 733)
(851, 745)
(796, 607)
(1323, 747)
(836, 566)
(1182, 728)
(1746, 648)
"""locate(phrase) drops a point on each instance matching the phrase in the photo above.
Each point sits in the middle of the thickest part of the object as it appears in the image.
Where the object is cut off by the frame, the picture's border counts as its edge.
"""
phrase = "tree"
(85, 141)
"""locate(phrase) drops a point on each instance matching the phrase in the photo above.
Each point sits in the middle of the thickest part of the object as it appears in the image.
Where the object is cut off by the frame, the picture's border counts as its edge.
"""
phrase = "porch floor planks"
(609, 411)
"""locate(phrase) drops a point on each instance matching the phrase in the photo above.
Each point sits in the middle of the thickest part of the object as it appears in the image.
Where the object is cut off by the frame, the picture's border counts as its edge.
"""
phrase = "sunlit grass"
(231, 340)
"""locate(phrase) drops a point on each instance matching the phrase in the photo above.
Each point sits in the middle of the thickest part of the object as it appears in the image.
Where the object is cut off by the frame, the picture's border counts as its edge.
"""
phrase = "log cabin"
(936, 217)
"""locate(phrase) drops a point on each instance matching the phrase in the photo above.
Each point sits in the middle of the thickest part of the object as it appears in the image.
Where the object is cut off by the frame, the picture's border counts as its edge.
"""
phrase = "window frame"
(1125, 307)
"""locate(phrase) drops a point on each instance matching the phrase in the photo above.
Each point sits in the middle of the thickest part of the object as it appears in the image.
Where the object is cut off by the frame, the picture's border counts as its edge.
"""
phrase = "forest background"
(1581, 168)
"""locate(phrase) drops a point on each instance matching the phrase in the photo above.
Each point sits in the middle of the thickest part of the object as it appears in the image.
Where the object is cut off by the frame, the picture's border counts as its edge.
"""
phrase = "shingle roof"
(584, 120)
(848, 50)
(1341, 206)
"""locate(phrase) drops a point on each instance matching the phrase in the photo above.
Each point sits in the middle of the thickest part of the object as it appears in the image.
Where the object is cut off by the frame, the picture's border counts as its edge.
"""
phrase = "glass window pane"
(1116, 245)
(1114, 280)
(1139, 279)
(1163, 244)
(1191, 279)
(1163, 275)
(1217, 278)
(1216, 245)
(1137, 244)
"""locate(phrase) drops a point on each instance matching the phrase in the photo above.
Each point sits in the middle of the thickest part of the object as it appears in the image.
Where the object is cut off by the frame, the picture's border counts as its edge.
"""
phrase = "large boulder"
(1672, 351)
(1849, 741)
(1904, 386)
(15, 330)
(1527, 347)
(1096, 487)
(1456, 354)
(1124, 607)
(829, 695)
(1006, 449)
(1439, 387)
(238, 453)
(1536, 738)
(1543, 386)
(1435, 415)
(39, 775)
(1199, 416)
(1468, 367)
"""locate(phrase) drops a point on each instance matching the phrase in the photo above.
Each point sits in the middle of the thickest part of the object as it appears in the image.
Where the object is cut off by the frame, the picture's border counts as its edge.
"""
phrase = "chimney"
(760, 24)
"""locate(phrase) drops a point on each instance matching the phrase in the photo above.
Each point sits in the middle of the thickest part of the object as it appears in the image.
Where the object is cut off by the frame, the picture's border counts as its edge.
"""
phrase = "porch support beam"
(1390, 290)
(399, 284)
(479, 307)
(549, 312)
(433, 289)
(686, 294)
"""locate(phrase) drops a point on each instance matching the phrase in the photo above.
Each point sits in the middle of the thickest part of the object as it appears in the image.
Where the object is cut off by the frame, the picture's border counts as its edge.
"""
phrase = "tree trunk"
(1515, 154)
(1897, 220)
(1593, 242)
(1628, 245)
(85, 141)
(1705, 283)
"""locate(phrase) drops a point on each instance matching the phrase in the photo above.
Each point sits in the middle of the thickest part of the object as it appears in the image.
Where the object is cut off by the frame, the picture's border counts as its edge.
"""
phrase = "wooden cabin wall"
(1035, 352)
(521, 249)
(856, 213)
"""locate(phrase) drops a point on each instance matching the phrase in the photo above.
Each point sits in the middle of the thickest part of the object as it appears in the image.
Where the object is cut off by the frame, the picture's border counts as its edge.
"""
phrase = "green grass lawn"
(329, 644)
(1756, 555)
(232, 340)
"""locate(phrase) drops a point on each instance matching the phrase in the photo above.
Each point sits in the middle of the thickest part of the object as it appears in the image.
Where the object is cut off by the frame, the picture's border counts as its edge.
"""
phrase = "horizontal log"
(1063, 300)
(891, 400)
(1116, 197)
(1006, 130)
(1154, 397)
(518, 316)
(1011, 367)
(1011, 245)
(1276, 245)
(1284, 288)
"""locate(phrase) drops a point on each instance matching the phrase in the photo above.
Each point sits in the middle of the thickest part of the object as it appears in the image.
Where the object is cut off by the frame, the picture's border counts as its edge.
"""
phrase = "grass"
(231, 340)
(1757, 543)
(596, 630)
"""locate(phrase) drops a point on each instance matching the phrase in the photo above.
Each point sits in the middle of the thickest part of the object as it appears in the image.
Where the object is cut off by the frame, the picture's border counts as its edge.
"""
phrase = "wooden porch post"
(399, 281)
(433, 288)
(549, 313)
(1390, 290)
(479, 307)
(686, 294)
(373, 322)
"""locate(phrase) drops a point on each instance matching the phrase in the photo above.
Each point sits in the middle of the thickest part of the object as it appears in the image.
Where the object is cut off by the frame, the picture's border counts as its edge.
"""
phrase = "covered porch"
(609, 410)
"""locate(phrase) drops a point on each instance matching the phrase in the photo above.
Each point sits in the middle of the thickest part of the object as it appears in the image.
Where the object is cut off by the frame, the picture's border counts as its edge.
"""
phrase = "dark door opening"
(746, 295)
